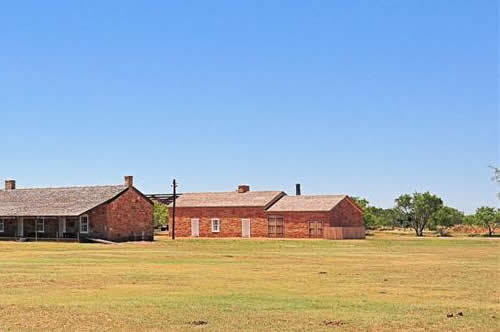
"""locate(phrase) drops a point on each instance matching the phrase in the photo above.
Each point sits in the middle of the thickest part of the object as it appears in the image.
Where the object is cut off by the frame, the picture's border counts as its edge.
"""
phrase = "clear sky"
(368, 98)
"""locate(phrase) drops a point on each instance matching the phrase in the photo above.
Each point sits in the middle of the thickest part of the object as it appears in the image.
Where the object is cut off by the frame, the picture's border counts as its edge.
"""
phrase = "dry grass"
(387, 282)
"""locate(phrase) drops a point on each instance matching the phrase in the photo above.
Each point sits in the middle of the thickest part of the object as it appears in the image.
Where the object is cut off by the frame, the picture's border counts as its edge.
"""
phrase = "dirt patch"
(199, 322)
(334, 323)
(455, 315)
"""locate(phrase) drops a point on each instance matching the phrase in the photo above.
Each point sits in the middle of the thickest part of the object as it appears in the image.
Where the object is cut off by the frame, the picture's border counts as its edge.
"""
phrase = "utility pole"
(174, 186)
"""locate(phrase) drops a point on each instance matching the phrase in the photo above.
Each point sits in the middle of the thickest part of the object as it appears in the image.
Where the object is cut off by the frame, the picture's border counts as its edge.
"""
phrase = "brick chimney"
(243, 188)
(10, 184)
(129, 180)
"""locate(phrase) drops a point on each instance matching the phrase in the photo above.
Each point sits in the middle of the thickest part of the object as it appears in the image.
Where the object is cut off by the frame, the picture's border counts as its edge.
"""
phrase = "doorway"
(195, 227)
(316, 229)
(245, 227)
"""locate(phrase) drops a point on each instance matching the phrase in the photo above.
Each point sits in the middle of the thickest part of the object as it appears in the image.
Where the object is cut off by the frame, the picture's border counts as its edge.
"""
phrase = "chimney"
(129, 180)
(297, 189)
(10, 184)
(243, 188)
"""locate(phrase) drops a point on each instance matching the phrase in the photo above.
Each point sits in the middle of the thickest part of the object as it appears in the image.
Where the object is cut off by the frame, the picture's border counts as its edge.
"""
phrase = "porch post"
(20, 226)
(62, 227)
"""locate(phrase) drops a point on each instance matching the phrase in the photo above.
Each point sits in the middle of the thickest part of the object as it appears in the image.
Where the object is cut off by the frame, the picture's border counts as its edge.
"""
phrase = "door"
(245, 227)
(275, 226)
(315, 229)
(195, 227)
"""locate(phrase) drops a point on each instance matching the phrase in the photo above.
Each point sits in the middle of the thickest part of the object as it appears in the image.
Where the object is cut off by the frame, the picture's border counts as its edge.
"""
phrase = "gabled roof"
(307, 203)
(229, 199)
(66, 201)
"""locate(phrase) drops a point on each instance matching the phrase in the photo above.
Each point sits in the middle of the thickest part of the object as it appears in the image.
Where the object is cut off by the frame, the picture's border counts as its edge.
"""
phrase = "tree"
(364, 205)
(160, 214)
(488, 216)
(418, 209)
(447, 216)
(496, 176)
(369, 216)
(374, 216)
(404, 209)
(470, 220)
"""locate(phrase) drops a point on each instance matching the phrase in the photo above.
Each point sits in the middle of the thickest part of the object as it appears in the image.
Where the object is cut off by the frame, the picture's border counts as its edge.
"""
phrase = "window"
(2, 226)
(84, 224)
(315, 229)
(275, 226)
(215, 225)
(40, 225)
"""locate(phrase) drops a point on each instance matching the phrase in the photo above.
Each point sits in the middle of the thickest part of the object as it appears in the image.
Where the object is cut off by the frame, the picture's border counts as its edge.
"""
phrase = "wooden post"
(36, 230)
(174, 185)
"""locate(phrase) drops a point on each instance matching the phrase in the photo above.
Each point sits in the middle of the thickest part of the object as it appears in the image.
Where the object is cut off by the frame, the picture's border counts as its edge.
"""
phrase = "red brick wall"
(230, 221)
(97, 222)
(346, 214)
(127, 217)
(297, 223)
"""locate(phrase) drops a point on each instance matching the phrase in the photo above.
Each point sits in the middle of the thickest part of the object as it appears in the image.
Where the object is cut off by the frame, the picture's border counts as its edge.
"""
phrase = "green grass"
(386, 282)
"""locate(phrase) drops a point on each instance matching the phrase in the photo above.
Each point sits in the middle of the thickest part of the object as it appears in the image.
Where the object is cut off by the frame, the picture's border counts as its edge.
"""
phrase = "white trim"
(88, 224)
(2, 223)
(43, 225)
(216, 229)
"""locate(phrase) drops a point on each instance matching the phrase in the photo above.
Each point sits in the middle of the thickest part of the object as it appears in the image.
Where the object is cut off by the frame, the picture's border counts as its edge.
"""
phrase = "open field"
(385, 282)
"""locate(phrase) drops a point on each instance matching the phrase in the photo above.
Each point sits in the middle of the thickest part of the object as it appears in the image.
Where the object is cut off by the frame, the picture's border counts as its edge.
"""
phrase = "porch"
(41, 229)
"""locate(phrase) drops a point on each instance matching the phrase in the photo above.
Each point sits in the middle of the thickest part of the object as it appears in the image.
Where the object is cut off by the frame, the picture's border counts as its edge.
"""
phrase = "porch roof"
(53, 202)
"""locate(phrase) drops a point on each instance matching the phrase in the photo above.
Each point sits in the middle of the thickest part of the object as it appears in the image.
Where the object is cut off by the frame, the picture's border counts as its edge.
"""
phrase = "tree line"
(420, 211)
(425, 210)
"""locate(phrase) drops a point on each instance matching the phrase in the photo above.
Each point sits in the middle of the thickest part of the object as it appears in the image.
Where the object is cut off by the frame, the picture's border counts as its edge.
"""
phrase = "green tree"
(362, 202)
(470, 220)
(488, 216)
(447, 216)
(418, 209)
(404, 209)
(496, 176)
(160, 213)
(373, 216)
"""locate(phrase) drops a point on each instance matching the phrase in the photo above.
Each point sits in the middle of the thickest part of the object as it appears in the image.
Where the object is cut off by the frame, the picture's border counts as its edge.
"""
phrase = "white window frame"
(2, 225)
(215, 221)
(43, 225)
(88, 224)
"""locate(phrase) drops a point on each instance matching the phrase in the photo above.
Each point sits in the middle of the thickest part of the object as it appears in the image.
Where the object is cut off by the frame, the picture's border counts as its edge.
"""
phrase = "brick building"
(244, 213)
(115, 213)
(316, 216)
(241, 213)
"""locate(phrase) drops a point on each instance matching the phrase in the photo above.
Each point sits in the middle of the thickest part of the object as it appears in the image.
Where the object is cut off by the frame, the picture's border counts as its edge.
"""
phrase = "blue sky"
(369, 98)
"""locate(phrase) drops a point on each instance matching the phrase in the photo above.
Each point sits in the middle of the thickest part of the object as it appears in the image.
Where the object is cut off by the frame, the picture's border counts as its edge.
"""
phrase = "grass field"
(387, 282)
